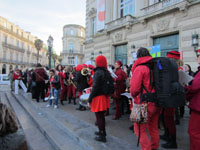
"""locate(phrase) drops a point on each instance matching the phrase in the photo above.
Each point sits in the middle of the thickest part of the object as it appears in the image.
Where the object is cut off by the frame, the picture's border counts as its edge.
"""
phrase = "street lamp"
(195, 41)
(50, 45)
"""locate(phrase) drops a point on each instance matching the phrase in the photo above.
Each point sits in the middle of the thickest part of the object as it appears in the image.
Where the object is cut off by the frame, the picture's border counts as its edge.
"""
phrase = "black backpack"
(169, 92)
(108, 84)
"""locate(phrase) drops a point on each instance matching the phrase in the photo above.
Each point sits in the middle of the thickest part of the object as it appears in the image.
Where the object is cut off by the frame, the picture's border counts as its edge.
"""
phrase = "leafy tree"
(38, 45)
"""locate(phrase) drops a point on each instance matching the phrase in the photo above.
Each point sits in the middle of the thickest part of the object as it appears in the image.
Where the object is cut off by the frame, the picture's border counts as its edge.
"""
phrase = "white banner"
(101, 13)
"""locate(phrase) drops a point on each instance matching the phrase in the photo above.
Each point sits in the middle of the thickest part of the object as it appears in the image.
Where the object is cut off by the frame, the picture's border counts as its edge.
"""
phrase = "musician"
(82, 84)
(119, 88)
(98, 100)
(71, 86)
(62, 76)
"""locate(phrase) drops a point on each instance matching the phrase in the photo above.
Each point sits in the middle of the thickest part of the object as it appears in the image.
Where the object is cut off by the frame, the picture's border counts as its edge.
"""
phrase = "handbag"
(139, 113)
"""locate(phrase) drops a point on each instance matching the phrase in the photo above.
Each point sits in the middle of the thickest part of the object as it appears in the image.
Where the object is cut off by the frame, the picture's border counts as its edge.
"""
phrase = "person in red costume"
(141, 76)
(17, 77)
(169, 113)
(193, 95)
(119, 88)
(99, 101)
(91, 70)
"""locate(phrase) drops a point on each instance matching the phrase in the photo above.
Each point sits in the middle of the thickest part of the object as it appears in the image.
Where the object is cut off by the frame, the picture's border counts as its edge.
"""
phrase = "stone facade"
(73, 38)
(17, 48)
(149, 22)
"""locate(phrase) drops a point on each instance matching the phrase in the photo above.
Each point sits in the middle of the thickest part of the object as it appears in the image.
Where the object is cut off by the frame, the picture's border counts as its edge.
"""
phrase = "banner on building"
(154, 51)
(101, 13)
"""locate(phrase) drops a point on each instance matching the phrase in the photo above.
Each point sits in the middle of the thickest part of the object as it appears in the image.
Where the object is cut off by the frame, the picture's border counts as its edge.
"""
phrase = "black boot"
(171, 143)
(101, 137)
(165, 136)
(74, 101)
(69, 101)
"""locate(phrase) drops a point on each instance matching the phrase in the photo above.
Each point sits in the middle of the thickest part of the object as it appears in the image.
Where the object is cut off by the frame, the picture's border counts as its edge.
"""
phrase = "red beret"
(84, 65)
(198, 52)
(173, 54)
(91, 66)
(79, 67)
(101, 61)
(119, 63)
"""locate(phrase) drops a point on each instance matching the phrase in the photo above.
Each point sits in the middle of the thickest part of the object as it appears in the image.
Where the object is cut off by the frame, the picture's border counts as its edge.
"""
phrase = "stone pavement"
(79, 126)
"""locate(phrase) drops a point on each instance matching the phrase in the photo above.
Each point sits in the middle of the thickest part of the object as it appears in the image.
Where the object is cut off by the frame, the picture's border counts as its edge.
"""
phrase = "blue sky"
(44, 17)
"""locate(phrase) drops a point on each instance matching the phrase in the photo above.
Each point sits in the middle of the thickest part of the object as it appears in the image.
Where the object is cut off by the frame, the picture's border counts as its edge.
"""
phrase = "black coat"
(99, 80)
(56, 82)
(81, 81)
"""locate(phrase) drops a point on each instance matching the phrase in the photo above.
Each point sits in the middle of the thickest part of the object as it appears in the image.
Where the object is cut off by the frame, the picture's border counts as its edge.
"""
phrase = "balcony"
(125, 21)
(72, 52)
(13, 47)
(170, 4)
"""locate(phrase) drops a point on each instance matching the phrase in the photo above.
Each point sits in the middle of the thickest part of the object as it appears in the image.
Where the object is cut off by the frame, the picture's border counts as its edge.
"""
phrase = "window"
(4, 54)
(11, 55)
(71, 47)
(22, 45)
(127, 7)
(6, 39)
(11, 28)
(71, 60)
(17, 57)
(71, 32)
(17, 31)
(11, 41)
(18, 43)
(28, 48)
(94, 25)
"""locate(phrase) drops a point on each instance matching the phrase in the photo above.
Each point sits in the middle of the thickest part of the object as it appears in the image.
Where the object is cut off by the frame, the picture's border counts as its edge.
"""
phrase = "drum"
(84, 97)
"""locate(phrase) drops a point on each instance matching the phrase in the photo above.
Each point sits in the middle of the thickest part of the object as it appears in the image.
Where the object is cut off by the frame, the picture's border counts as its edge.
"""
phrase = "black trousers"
(100, 117)
(40, 90)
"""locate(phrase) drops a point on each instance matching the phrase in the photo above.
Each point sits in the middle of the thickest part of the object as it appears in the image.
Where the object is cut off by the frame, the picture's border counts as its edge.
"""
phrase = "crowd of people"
(67, 83)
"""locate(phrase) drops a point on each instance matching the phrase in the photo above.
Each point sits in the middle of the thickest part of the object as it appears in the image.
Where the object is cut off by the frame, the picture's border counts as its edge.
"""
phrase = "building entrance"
(121, 53)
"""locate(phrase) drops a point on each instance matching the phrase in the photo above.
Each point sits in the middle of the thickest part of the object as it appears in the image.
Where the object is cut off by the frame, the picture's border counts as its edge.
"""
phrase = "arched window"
(4, 69)
(71, 47)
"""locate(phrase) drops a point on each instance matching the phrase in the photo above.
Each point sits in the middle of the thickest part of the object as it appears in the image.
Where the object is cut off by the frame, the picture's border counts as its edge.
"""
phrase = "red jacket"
(16, 76)
(194, 93)
(62, 77)
(140, 75)
(120, 82)
(40, 74)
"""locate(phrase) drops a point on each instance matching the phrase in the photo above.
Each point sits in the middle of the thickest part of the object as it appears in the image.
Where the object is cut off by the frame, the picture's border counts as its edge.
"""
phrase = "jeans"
(55, 93)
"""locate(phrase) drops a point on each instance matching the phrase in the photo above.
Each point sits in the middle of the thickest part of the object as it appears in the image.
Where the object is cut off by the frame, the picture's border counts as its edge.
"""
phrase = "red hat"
(91, 66)
(101, 61)
(119, 63)
(79, 67)
(173, 54)
(198, 52)
(84, 65)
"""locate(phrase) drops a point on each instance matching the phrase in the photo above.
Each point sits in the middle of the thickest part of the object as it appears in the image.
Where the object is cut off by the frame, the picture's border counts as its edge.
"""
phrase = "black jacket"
(98, 83)
(81, 81)
(56, 82)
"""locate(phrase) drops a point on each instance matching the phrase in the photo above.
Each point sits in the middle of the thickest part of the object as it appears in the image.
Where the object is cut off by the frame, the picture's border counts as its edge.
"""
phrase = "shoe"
(171, 144)
(55, 107)
(97, 133)
(101, 138)
(69, 101)
(48, 105)
(61, 102)
(74, 101)
(165, 136)
(95, 123)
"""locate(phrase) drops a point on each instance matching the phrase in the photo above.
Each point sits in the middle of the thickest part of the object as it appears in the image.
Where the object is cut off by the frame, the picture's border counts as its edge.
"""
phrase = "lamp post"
(195, 41)
(50, 45)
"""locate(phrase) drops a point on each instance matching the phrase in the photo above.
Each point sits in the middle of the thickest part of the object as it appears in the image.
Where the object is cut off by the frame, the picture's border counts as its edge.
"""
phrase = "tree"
(38, 45)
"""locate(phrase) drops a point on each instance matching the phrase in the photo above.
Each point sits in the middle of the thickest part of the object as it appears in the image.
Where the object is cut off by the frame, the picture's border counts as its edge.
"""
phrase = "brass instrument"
(70, 81)
(85, 72)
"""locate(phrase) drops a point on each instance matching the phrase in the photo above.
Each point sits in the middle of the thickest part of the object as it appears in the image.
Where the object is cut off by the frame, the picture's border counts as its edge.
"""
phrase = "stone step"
(58, 136)
(79, 129)
(35, 139)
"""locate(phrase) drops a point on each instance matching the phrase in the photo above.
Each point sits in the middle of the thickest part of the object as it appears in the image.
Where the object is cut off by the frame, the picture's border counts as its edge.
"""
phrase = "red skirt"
(100, 103)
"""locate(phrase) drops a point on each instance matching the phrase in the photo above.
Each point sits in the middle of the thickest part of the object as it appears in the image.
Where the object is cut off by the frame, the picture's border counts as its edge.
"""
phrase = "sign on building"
(101, 13)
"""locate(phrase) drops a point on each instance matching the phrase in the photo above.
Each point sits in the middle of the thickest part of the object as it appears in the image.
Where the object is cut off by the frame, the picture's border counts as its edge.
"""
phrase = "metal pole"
(49, 57)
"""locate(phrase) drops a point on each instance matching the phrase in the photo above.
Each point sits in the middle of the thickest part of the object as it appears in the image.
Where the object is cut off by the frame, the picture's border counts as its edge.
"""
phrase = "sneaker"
(48, 105)
(55, 106)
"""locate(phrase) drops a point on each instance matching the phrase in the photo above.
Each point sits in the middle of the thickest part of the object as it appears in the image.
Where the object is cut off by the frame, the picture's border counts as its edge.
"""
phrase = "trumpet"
(85, 72)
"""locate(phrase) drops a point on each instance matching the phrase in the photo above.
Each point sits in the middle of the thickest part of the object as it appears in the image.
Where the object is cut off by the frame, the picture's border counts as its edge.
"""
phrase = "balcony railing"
(10, 46)
(160, 5)
(118, 23)
(76, 52)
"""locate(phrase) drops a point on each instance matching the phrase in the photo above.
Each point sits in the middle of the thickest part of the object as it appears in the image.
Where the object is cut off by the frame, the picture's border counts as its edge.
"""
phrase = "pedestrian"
(149, 134)
(119, 88)
(99, 101)
(40, 76)
(11, 137)
(188, 70)
(55, 88)
(17, 77)
(10, 75)
(193, 95)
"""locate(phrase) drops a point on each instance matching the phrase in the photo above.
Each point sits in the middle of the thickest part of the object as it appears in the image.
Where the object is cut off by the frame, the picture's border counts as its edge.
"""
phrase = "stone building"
(118, 28)
(73, 38)
(17, 48)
